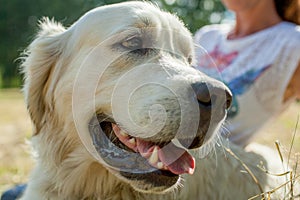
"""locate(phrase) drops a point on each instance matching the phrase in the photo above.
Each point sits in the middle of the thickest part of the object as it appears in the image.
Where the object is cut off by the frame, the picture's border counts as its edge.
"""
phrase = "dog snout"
(209, 93)
(213, 99)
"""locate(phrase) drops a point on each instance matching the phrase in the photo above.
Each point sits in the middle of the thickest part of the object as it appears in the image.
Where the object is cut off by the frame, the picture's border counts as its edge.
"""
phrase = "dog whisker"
(143, 96)
(224, 129)
(112, 136)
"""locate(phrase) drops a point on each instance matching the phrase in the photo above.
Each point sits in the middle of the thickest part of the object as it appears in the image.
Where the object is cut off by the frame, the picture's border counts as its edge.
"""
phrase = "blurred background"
(19, 18)
(18, 25)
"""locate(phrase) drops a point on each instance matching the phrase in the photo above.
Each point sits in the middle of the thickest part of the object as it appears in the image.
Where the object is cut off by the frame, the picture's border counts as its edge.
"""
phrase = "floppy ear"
(39, 60)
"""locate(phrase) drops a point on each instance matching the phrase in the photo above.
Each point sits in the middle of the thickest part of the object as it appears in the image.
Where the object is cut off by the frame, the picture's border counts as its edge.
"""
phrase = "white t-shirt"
(257, 68)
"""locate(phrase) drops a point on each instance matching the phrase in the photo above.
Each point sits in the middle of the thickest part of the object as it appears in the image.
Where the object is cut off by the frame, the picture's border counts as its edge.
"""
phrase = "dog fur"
(65, 168)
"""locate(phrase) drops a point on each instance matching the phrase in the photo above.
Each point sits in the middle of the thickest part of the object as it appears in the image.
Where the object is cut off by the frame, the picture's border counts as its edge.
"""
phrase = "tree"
(18, 23)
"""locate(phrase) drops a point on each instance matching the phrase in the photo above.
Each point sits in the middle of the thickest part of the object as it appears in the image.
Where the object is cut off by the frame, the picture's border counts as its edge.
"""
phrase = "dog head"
(120, 83)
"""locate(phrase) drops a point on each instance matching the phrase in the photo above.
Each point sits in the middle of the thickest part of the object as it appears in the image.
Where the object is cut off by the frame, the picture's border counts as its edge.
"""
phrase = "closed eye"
(135, 45)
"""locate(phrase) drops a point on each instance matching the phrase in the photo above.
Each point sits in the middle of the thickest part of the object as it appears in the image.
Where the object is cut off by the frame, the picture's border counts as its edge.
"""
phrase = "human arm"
(293, 88)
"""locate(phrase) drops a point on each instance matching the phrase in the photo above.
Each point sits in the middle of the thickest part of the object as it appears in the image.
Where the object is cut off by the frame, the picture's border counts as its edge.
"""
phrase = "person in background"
(258, 58)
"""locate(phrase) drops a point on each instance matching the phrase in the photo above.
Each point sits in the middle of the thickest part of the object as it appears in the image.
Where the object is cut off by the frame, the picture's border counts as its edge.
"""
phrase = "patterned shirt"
(257, 68)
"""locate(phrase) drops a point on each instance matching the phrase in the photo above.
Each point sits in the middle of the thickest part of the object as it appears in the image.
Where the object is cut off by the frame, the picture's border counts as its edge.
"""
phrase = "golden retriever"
(119, 112)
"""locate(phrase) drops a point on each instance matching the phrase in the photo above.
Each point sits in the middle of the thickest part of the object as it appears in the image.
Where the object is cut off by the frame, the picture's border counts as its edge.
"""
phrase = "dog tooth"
(154, 156)
(191, 171)
(123, 133)
(132, 141)
(160, 165)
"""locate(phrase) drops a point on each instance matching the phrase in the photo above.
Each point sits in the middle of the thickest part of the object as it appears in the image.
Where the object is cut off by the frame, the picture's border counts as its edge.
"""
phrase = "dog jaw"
(59, 59)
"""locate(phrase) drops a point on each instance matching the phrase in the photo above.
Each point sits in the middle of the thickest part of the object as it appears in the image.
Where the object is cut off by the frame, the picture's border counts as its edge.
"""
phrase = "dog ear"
(39, 60)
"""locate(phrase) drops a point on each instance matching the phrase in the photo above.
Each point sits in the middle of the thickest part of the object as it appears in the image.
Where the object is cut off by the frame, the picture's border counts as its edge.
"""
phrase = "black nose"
(210, 92)
(213, 98)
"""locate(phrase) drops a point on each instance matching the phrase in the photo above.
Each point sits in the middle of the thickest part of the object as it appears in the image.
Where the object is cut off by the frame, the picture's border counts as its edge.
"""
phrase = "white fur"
(65, 168)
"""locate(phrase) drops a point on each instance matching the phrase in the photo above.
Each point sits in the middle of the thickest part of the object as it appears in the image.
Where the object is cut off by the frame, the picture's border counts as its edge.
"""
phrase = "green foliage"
(195, 13)
(18, 23)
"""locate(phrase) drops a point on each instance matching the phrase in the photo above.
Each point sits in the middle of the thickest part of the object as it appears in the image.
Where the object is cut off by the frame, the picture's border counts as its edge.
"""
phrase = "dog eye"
(133, 43)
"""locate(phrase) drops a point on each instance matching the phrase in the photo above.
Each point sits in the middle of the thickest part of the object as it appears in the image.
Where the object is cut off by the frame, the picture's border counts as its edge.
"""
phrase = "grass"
(284, 129)
(15, 130)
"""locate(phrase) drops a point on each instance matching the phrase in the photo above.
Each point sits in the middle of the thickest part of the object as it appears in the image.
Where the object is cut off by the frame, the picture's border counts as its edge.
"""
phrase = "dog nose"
(208, 93)
(213, 98)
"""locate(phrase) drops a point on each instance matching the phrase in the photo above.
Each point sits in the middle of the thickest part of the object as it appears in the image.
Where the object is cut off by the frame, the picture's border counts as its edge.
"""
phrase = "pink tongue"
(177, 160)
(174, 159)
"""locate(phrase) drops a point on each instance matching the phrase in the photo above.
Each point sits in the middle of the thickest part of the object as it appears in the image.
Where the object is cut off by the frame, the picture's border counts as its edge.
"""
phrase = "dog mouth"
(155, 153)
(139, 159)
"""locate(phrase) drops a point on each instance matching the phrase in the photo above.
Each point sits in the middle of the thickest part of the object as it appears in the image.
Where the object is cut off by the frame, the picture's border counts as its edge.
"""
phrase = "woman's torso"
(257, 69)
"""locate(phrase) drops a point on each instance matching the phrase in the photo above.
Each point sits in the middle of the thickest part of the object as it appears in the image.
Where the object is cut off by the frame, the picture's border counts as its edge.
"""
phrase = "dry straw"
(291, 174)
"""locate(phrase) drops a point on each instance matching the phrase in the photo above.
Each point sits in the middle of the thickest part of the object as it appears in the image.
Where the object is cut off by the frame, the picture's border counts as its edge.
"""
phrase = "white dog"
(120, 113)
